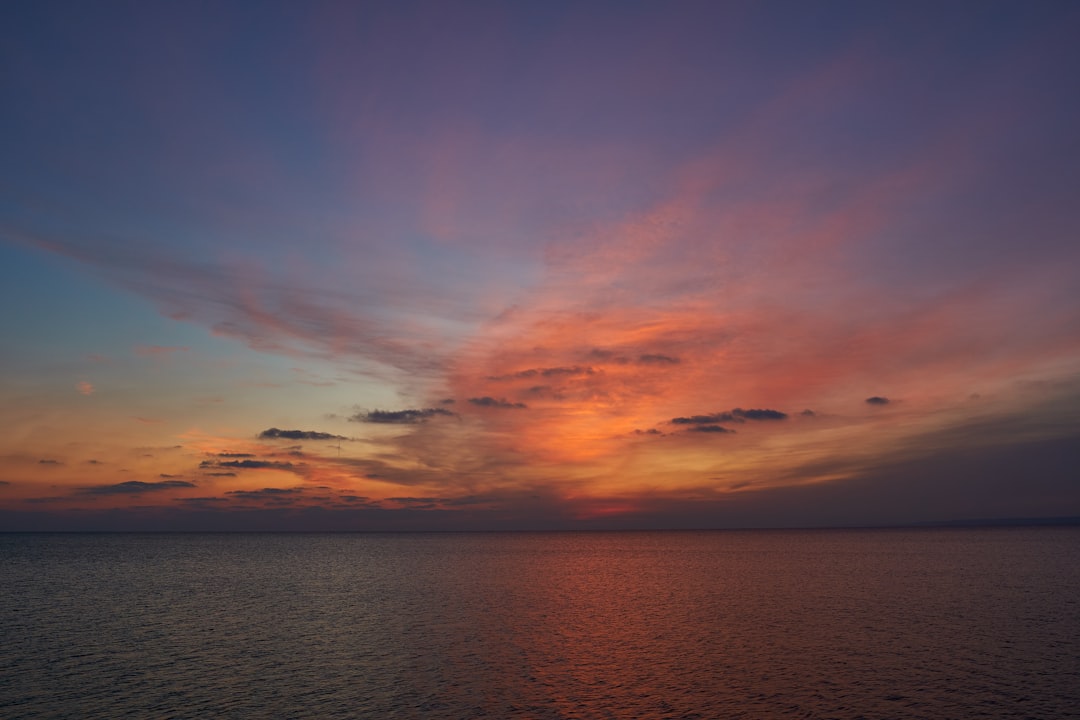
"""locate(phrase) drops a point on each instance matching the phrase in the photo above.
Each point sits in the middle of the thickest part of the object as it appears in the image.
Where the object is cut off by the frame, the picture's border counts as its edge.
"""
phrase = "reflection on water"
(810, 624)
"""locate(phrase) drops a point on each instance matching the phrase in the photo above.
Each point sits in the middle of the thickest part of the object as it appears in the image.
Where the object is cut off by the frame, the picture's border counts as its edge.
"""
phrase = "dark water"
(804, 624)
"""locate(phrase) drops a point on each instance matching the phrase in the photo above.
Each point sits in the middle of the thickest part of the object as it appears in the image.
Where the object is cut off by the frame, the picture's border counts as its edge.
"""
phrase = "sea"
(887, 623)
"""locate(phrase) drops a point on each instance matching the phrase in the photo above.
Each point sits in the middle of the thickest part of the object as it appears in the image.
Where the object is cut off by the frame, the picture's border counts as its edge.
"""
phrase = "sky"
(559, 265)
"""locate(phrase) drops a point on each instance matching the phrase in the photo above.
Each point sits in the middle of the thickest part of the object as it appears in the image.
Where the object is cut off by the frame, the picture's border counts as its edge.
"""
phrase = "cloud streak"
(136, 487)
(276, 434)
(500, 403)
(400, 417)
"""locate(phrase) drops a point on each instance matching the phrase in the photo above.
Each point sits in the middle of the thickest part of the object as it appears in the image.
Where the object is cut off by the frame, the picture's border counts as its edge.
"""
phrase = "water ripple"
(845, 625)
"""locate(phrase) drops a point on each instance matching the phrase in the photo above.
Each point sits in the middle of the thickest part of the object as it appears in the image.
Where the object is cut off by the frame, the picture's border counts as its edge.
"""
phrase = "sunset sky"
(455, 265)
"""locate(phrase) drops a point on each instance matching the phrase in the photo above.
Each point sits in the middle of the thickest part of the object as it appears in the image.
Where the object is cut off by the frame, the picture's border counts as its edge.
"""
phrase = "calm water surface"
(795, 624)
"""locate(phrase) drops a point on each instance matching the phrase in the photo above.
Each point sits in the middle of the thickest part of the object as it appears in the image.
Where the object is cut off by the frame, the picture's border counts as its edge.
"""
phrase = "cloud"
(49, 461)
(84, 387)
(265, 493)
(736, 415)
(222, 474)
(399, 417)
(268, 311)
(759, 414)
(808, 413)
(877, 400)
(610, 356)
(235, 455)
(491, 402)
(710, 429)
(248, 464)
(704, 419)
(136, 487)
(94, 462)
(274, 433)
(656, 359)
(569, 371)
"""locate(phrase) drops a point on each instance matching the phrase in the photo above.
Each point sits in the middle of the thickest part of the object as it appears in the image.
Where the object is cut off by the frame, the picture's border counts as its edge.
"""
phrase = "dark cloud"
(496, 403)
(166, 476)
(656, 359)
(759, 414)
(135, 487)
(235, 455)
(4, 482)
(222, 474)
(650, 431)
(737, 415)
(608, 356)
(545, 372)
(808, 413)
(704, 419)
(516, 375)
(710, 429)
(49, 461)
(877, 400)
(247, 464)
(399, 417)
(265, 493)
(447, 401)
(275, 433)
(94, 462)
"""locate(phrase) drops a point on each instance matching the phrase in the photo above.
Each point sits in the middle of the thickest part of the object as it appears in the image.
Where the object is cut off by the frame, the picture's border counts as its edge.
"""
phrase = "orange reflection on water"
(580, 633)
